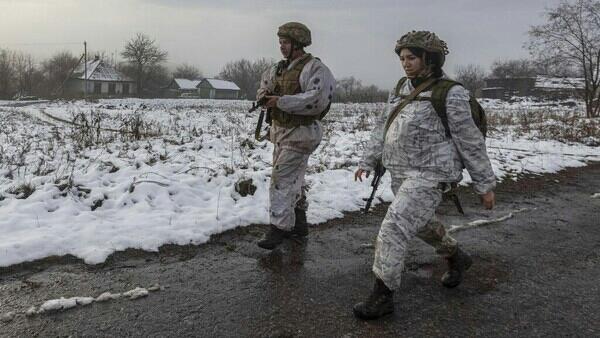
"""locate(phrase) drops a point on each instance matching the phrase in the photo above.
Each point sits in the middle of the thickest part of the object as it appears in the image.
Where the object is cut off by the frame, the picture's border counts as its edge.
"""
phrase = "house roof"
(221, 84)
(559, 82)
(98, 70)
(186, 84)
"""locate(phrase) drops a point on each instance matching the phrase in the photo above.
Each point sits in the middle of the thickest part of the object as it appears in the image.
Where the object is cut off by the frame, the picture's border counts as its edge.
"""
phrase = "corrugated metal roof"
(222, 84)
(187, 84)
(98, 70)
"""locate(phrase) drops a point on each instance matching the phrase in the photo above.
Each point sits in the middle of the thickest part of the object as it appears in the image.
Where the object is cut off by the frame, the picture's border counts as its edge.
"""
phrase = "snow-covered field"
(137, 173)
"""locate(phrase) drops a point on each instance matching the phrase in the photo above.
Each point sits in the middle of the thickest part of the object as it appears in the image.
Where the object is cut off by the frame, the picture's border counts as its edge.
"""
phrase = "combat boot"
(300, 227)
(379, 303)
(458, 263)
(272, 238)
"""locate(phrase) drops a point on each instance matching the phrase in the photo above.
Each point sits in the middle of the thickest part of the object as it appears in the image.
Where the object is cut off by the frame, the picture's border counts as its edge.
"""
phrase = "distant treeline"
(20, 74)
(349, 89)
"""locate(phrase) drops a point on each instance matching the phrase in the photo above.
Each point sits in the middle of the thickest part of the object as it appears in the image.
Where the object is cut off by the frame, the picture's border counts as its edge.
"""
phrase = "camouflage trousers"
(412, 213)
(287, 190)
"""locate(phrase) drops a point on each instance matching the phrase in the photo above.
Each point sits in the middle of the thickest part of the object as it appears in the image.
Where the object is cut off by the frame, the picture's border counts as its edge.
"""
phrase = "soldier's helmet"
(425, 40)
(295, 31)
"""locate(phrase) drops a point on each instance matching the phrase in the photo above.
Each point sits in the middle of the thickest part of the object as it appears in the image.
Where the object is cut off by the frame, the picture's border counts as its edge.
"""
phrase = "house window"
(97, 87)
(111, 88)
(125, 88)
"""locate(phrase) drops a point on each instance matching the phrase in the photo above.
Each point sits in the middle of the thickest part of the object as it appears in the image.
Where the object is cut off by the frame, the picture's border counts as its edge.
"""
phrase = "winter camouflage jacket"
(317, 84)
(416, 144)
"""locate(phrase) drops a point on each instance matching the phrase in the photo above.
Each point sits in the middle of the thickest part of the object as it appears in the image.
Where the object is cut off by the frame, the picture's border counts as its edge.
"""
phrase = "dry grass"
(568, 126)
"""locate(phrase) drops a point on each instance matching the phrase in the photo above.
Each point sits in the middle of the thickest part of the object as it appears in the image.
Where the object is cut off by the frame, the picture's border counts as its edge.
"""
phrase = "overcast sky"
(352, 37)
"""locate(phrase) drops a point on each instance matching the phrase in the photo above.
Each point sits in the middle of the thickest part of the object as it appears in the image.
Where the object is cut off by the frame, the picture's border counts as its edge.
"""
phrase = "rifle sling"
(420, 88)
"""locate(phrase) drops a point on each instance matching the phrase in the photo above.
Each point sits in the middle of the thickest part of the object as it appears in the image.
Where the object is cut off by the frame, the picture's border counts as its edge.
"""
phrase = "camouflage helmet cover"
(295, 31)
(422, 39)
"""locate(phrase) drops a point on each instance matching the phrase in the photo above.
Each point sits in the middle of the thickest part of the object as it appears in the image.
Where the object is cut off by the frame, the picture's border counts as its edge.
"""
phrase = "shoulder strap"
(283, 64)
(399, 85)
(302, 62)
(422, 87)
(439, 93)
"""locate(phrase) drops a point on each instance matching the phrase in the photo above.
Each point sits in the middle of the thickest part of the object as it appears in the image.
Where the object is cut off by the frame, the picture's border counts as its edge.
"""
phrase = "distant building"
(559, 87)
(538, 86)
(103, 80)
(218, 89)
(508, 87)
(179, 87)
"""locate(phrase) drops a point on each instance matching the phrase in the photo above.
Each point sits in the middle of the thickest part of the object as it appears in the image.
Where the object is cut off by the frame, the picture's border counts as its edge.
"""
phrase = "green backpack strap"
(399, 85)
(407, 100)
(438, 100)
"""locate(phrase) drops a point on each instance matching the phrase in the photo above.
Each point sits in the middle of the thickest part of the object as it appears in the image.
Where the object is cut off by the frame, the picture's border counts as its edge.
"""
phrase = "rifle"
(258, 104)
(261, 117)
(377, 174)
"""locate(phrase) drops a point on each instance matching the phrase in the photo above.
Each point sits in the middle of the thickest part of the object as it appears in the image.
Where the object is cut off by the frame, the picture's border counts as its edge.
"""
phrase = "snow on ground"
(62, 303)
(137, 173)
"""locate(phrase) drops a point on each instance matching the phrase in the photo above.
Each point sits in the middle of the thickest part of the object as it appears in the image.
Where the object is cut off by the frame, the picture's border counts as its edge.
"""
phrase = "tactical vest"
(287, 82)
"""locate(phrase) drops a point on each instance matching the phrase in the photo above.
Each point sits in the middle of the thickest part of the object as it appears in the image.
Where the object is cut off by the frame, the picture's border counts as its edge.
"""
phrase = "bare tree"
(515, 68)
(502, 69)
(28, 78)
(57, 69)
(157, 77)
(7, 73)
(571, 36)
(472, 77)
(185, 71)
(345, 88)
(350, 89)
(246, 74)
(143, 54)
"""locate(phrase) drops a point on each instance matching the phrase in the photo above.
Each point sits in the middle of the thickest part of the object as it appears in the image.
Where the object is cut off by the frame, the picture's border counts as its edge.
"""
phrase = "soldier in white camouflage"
(298, 91)
(424, 159)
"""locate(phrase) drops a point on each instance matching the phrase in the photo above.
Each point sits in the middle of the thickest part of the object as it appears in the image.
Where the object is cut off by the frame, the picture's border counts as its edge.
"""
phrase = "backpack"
(439, 92)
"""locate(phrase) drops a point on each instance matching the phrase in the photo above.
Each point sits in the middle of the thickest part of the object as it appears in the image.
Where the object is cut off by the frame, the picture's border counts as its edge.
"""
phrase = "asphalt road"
(535, 274)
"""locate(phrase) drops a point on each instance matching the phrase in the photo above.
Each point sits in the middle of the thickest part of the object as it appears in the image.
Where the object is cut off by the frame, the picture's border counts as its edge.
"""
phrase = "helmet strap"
(293, 45)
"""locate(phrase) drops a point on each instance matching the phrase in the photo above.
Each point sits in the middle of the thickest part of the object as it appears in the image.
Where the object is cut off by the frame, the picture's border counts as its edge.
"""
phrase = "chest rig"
(287, 82)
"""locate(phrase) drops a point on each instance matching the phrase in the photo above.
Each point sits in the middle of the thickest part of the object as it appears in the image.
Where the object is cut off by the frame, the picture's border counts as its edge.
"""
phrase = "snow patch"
(63, 303)
(108, 296)
(481, 222)
(32, 311)
(7, 317)
(136, 293)
(179, 188)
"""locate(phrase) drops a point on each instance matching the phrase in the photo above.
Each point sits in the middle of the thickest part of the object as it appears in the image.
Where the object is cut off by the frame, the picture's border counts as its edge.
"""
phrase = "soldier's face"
(413, 65)
(285, 46)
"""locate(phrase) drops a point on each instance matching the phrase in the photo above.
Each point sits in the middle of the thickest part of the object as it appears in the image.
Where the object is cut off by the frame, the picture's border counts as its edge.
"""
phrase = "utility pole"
(85, 70)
